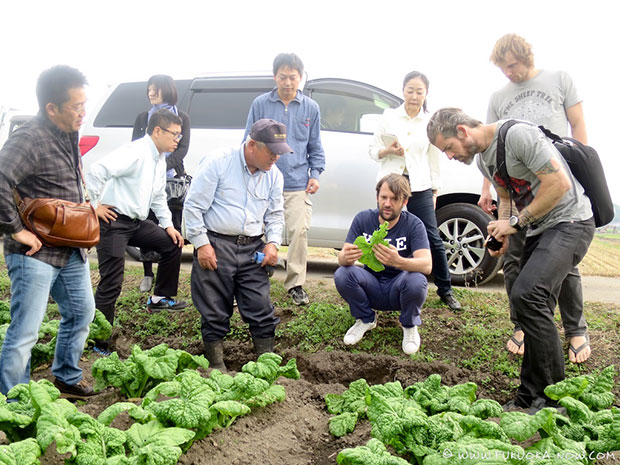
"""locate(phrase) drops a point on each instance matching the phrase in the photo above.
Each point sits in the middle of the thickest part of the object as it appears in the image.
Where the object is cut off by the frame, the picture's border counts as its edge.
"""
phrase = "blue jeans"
(32, 282)
(421, 205)
(364, 291)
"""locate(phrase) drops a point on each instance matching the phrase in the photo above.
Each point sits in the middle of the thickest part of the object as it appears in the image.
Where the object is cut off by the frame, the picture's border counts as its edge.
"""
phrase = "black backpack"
(583, 162)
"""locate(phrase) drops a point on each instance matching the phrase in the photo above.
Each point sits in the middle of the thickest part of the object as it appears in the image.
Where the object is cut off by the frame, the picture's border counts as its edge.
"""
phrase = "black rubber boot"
(262, 345)
(214, 351)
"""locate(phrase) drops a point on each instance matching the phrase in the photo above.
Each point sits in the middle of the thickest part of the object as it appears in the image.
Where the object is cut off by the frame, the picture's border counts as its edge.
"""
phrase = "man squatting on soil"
(548, 98)
(402, 284)
(560, 229)
(42, 160)
(234, 198)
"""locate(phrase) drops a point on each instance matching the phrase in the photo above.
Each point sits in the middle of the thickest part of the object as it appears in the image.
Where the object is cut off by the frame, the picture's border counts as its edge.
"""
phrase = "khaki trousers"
(297, 216)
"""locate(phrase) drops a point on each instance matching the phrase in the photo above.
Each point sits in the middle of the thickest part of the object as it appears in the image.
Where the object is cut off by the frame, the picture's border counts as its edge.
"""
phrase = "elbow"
(427, 268)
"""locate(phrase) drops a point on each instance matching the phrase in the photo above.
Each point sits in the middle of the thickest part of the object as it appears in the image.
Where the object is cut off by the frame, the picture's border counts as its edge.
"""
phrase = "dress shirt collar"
(274, 97)
(401, 112)
(154, 151)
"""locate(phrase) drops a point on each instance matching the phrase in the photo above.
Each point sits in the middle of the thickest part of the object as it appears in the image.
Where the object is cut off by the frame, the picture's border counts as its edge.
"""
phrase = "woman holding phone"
(162, 94)
(400, 145)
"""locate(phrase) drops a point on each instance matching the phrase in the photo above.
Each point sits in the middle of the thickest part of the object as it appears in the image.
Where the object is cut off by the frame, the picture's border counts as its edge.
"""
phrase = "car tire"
(463, 229)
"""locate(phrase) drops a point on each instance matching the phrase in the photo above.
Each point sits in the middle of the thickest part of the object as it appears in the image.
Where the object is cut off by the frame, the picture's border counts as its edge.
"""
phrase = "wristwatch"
(514, 222)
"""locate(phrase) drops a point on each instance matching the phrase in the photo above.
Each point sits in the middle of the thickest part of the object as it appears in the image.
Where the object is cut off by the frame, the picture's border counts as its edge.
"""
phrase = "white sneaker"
(411, 340)
(357, 331)
(146, 284)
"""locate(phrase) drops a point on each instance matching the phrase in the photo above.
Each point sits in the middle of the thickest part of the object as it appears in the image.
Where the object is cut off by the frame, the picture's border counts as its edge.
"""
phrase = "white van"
(218, 107)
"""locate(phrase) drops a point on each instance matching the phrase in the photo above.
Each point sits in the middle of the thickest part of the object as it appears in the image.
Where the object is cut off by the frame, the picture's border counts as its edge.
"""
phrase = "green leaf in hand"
(368, 257)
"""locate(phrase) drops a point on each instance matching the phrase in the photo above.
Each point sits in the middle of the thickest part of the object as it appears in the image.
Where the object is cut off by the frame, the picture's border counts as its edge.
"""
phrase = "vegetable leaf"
(373, 453)
(342, 424)
(368, 257)
(24, 452)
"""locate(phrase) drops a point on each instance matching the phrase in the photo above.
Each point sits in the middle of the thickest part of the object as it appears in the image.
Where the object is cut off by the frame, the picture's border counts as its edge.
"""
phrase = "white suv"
(218, 108)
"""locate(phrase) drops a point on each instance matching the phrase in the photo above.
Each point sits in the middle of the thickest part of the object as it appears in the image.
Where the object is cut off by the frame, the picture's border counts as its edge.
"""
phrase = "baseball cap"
(272, 134)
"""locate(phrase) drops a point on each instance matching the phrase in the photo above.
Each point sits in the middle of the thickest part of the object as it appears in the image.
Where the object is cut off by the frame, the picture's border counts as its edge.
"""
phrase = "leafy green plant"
(368, 255)
(434, 424)
(24, 452)
(373, 453)
(143, 370)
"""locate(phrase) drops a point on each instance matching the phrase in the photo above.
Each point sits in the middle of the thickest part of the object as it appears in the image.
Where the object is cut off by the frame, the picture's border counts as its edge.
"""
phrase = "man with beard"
(548, 98)
(552, 204)
(401, 285)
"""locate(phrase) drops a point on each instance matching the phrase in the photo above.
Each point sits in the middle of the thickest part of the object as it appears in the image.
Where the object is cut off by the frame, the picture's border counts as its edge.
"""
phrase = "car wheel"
(463, 229)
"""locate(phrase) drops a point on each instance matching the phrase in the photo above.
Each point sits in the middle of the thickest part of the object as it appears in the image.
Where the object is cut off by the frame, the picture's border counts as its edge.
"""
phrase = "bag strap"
(500, 160)
(86, 196)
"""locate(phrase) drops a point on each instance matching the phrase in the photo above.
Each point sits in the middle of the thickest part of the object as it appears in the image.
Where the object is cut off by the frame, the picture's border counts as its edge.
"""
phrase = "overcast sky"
(373, 41)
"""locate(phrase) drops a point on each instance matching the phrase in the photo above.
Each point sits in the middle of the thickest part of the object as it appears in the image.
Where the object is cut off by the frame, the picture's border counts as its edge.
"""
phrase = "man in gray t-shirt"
(550, 201)
(550, 99)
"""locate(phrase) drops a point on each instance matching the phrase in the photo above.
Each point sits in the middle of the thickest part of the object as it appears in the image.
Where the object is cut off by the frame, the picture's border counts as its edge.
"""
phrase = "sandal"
(581, 348)
(518, 343)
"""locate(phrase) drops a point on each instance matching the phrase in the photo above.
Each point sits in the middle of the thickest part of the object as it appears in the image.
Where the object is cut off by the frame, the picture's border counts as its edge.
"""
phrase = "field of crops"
(277, 419)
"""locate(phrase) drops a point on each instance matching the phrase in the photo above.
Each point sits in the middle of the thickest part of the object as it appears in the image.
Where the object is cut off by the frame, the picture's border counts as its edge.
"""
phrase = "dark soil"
(295, 432)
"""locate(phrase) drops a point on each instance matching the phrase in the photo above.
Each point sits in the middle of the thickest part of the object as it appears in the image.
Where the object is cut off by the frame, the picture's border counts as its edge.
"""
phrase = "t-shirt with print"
(543, 100)
(528, 150)
(407, 235)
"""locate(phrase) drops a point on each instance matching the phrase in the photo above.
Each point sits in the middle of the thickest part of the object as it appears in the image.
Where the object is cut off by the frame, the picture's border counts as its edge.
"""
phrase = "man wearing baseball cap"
(234, 209)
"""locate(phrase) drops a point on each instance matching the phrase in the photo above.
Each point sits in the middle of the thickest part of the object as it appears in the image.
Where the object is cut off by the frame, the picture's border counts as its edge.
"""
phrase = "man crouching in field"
(551, 203)
(401, 285)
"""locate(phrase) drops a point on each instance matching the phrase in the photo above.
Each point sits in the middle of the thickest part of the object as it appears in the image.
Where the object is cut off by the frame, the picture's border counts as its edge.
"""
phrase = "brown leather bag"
(60, 223)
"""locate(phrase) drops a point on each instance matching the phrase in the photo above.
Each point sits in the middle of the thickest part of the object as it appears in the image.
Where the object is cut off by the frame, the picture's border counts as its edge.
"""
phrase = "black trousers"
(548, 260)
(239, 277)
(115, 236)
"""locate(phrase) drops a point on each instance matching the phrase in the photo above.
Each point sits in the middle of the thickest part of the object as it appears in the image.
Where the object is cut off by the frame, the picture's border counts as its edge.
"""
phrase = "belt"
(120, 216)
(239, 240)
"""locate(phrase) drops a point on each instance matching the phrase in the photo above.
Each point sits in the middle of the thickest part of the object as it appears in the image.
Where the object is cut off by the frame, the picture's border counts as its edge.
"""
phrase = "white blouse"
(421, 159)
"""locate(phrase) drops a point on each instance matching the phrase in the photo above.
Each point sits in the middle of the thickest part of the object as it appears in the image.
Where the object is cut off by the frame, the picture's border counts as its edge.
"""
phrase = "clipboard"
(388, 139)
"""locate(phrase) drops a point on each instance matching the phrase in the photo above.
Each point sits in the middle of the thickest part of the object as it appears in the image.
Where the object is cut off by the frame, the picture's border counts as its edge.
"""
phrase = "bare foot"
(515, 344)
(579, 350)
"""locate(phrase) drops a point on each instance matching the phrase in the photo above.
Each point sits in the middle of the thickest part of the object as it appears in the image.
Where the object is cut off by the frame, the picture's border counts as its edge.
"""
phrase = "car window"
(126, 102)
(348, 113)
(221, 109)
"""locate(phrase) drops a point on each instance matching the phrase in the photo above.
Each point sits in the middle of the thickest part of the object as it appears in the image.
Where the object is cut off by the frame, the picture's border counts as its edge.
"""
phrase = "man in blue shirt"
(300, 114)
(235, 199)
(402, 284)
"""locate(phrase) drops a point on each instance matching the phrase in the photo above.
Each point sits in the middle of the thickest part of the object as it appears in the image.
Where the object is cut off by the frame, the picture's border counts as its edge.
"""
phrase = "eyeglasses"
(175, 135)
(78, 110)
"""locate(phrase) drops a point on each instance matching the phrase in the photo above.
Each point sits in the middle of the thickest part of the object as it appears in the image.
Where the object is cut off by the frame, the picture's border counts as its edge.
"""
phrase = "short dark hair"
(164, 83)
(422, 77)
(53, 85)
(446, 121)
(398, 184)
(289, 60)
(162, 118)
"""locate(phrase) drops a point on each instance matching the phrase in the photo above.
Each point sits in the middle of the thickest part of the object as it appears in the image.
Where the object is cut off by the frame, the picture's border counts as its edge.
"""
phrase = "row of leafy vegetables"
(169, 403)
(432, 424)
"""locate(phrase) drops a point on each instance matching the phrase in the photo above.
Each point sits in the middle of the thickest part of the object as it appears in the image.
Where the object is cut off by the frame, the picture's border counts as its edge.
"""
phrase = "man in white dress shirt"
(124, 186)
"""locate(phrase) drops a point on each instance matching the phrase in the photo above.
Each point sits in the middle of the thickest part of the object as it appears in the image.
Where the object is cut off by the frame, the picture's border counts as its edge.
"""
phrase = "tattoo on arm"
(549, 168)
(526, 218)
